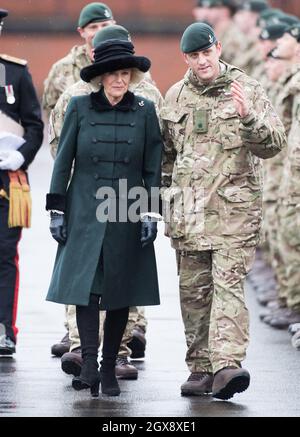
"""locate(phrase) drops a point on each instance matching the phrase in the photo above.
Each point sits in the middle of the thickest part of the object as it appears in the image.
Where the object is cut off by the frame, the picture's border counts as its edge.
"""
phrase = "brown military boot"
(229, 381)
(71, 362)
(137, 345)
(59, 349)
(125, 370)
(198, 383)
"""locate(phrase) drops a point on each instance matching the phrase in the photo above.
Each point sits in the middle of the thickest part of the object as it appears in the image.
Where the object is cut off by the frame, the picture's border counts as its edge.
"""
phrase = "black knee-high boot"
(114, 327)
(87, 318)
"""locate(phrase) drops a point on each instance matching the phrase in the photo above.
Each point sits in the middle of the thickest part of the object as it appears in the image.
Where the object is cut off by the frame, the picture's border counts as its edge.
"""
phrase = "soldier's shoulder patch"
(13, 59)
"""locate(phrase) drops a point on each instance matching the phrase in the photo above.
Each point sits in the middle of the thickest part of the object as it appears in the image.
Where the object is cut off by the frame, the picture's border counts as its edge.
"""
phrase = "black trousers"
(9, 272)
(87, 318)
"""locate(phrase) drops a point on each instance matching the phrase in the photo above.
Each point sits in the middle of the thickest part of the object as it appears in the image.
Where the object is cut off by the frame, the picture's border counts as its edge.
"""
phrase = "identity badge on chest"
(200, 121)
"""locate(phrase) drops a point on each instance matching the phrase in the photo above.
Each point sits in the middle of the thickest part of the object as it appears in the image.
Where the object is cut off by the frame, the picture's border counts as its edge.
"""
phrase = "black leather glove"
(58, 227)
(149, 230)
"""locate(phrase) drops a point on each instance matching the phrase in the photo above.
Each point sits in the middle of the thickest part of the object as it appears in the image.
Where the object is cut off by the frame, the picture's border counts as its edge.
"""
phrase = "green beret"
(294, 31)
(273, 32)
(198, 36)
(215, 3)
(94, 13)
(269, 16)
(3, 13)
(111, 32)
(254, 5)
(288, 19)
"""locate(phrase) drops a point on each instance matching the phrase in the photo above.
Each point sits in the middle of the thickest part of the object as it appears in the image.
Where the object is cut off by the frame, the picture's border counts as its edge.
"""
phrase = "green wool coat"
(106, 143)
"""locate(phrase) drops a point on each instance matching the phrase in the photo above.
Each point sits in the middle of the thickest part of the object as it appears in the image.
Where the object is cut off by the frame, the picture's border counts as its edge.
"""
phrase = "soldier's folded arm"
(262, 130)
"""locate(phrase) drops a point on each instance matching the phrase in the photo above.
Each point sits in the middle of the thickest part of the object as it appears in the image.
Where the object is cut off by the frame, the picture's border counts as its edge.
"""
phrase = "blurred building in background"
(44, 31)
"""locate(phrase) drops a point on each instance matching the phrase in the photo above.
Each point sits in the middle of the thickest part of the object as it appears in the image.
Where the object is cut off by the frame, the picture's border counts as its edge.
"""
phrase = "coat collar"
(100, 102)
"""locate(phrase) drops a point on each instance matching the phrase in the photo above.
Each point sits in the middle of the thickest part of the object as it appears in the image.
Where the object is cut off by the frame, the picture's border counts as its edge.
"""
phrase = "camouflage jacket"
(212, 173)
(288, 86)
(289, 191)
(63, 74)
(145, 89)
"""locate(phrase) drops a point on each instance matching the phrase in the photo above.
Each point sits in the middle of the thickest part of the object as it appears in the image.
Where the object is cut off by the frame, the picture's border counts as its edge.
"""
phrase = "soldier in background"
(266, 42)
(219, 14)
(20, 115)
(247, 19)
(72, 360)
(217, 124)
(66, 71)
(289, 189)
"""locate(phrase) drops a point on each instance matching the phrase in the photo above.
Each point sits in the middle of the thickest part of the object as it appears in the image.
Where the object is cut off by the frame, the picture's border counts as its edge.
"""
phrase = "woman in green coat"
(112, 138)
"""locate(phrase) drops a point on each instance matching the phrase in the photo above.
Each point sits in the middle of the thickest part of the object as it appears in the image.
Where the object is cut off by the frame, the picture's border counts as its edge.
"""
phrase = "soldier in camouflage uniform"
(71, 361)
(219, 14)
(66, 71)
(276, 73)
(217, 124)
(249, 21)
(289, 190)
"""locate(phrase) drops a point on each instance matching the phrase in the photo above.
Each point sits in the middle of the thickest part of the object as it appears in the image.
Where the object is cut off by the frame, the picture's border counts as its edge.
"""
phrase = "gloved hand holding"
(149, 230)
(12, 160)
(58, 227)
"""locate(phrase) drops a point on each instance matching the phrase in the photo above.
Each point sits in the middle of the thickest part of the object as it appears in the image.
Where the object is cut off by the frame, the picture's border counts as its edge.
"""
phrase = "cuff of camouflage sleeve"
(249, 119)
(56, 201)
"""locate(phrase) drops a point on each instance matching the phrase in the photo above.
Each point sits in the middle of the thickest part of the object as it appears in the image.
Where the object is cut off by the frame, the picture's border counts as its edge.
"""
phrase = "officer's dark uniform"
(22, 105)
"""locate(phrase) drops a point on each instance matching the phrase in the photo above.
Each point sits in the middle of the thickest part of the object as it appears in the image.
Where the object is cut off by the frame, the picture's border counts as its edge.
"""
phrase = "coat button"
(95, 159)
(94, 140)
(96, 176)
(92, 123)
(129, 141)
(132, 124)
(126, 160)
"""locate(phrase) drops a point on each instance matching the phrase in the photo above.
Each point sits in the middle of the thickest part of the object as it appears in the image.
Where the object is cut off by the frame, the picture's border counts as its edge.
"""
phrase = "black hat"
(273, 32)
(113, 55)
(3, 13)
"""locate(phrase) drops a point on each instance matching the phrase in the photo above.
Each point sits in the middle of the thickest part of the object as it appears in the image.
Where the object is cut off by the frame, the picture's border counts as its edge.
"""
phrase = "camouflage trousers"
(289, 241)
(136, 318)
(277, 258)
(213, 307)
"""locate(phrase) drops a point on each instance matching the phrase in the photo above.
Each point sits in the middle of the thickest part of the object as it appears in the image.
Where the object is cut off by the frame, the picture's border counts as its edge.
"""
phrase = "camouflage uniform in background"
(249, 59)
(234, 43)
(289, 196)
(146, 89)
(216, 154)
(286, 89)
(63, 74)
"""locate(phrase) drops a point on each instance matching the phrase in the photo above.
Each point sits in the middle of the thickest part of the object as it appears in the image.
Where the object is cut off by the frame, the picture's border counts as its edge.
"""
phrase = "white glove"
(12, 161)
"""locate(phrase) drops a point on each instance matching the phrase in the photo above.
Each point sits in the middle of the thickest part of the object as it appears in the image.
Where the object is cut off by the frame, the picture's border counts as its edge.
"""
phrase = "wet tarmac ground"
(33, 385)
